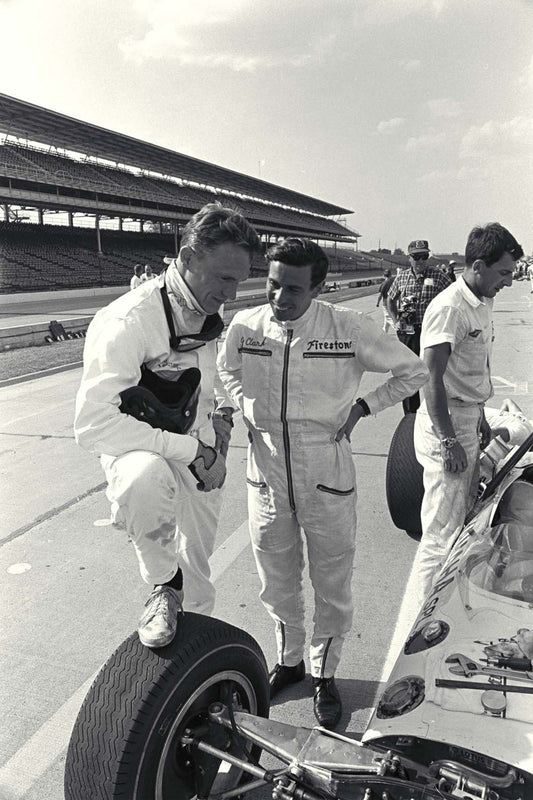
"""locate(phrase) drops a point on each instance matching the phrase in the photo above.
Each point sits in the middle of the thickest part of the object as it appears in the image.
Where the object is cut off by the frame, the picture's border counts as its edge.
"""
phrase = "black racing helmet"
(168, 405)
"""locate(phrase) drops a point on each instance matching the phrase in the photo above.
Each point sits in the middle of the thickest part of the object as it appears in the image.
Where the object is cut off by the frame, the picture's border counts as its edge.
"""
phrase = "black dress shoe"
(327, 702)
(282, 676)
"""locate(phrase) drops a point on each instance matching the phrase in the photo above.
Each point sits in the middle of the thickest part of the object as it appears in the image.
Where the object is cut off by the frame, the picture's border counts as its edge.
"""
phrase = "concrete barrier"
(32, 335)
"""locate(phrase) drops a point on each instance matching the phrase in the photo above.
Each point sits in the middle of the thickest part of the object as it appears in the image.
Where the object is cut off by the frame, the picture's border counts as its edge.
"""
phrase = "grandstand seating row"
(47, 257)
(34, 257)
(49, 169)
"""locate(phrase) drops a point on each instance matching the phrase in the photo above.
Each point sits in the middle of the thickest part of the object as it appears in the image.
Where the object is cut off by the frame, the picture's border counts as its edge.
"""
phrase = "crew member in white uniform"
(293, 366)
(450, 425)
(153, 492)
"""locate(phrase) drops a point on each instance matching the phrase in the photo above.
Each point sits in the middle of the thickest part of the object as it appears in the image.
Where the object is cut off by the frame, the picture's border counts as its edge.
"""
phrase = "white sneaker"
(157, 626)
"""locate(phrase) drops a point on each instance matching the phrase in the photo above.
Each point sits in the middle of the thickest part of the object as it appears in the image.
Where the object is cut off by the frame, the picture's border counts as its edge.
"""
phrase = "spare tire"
(404, 484)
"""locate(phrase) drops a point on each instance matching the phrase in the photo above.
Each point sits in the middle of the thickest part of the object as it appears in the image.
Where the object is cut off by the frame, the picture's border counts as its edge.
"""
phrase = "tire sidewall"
(226, 657)
(404, 478)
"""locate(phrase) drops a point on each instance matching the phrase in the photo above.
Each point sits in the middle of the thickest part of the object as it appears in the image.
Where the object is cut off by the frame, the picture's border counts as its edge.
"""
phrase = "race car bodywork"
(460, 696)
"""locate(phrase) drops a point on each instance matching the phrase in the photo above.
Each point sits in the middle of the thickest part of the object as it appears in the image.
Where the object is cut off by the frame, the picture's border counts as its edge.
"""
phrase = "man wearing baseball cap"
(407, 300)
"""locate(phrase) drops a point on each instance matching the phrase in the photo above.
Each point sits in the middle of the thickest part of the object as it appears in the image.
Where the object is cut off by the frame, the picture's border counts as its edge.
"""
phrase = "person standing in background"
(388, 279)
(450, 425)
(407, 300)
(137, 278)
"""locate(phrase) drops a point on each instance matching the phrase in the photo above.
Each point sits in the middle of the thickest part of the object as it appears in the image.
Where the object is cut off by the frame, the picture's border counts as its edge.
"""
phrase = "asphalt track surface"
(70, 584)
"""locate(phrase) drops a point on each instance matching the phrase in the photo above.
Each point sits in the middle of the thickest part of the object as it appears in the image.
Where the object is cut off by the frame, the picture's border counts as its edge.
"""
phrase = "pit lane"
(71, 587)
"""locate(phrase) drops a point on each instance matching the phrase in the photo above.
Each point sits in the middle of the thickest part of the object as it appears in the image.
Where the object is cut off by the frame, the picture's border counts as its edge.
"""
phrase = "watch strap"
(364, 405)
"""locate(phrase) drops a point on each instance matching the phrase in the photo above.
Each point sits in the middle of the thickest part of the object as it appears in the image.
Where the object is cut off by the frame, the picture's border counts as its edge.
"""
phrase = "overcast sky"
(416, 114)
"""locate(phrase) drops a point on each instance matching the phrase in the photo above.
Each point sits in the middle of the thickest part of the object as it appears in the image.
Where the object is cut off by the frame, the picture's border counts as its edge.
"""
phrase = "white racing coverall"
(153, 494)
(295, 383)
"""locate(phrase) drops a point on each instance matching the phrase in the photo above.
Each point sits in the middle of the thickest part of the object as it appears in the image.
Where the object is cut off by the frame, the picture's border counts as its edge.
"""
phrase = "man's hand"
(356, 412)
(209, 468)
(485, 433)
(222, 425)
(454, 457)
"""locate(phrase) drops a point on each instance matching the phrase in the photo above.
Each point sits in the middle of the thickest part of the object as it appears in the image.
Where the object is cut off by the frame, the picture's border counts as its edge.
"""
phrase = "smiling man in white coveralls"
(165, 327)
(293, 366)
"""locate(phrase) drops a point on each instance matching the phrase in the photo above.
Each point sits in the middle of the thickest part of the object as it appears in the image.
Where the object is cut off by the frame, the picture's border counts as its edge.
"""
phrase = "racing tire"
(126, 739)
(404, 479)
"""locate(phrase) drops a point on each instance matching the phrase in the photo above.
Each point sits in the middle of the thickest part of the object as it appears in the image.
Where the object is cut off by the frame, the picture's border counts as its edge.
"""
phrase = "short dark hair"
(215, 224)
(489, 243)
(300, 253)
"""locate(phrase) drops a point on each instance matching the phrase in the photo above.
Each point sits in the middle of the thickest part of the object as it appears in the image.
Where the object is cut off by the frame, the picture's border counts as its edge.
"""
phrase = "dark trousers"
(412, 341)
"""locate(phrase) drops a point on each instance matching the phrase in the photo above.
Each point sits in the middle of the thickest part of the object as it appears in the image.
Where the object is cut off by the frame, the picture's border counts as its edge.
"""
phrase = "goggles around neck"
(211, 329)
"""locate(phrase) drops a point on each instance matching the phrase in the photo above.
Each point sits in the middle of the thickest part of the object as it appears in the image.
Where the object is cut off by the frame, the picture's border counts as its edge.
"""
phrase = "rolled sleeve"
(378, 352)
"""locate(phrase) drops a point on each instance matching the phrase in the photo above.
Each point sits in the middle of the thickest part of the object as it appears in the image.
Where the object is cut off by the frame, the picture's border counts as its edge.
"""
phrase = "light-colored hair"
(216, 224)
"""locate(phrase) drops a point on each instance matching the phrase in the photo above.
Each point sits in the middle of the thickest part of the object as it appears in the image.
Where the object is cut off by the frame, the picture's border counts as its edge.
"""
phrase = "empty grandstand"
(117, 200)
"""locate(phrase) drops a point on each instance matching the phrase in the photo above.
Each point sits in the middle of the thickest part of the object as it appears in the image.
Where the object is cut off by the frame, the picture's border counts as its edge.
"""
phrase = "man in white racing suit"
(293, 366)
(154, 475)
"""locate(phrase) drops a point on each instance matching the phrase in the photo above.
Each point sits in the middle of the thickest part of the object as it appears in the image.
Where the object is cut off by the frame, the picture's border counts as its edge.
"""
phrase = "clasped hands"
(209, 465)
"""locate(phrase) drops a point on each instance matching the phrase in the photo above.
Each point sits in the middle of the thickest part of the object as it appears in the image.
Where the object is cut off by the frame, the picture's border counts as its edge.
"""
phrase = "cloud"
(509, 139)
(427, 142)
(411, 65)
(440, 177)
(526, 78)
(231, 34)
(258, 34)
(390, 125)
(382, 12)
(445, 107)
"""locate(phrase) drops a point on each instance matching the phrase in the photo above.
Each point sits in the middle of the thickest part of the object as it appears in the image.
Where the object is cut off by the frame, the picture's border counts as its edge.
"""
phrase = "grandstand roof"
(27, 121)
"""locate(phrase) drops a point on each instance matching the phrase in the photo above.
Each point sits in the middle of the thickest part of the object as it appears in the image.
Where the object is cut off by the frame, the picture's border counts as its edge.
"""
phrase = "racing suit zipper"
(285, 426)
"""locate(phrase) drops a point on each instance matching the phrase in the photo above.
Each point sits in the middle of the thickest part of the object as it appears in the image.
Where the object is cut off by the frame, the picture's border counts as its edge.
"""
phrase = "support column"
(99, 245)
(98, 239)
(70, 219)
(40, 215)
(176, 240)
(6, 212)
(120, 224)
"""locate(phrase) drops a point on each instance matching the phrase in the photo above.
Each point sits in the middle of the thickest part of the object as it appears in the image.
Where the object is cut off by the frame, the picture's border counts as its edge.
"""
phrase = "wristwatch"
(364, 405)
(448, 442)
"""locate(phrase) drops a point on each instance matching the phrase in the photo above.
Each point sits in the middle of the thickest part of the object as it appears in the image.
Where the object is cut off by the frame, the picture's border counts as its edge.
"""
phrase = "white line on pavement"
(19, 774)
(406, 617)
(502, 380)
(38, 754)
(229, 551)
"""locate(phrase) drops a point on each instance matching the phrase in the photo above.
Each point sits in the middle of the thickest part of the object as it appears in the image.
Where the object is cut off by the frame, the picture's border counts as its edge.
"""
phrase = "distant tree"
(398, 252)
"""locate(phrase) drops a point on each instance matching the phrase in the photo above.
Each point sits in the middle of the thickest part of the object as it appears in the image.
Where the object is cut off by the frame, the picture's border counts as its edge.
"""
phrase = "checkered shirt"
(407, 283)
